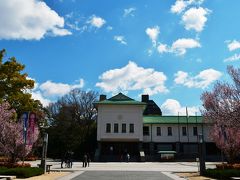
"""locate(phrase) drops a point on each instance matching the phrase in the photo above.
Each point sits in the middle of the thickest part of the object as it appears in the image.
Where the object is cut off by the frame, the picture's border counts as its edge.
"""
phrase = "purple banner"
(24, 119)
(31, 128)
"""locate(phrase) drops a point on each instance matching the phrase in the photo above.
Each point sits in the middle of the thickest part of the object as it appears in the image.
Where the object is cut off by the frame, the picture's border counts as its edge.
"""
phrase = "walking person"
(128, 157)
(85, 160)
(88, 159)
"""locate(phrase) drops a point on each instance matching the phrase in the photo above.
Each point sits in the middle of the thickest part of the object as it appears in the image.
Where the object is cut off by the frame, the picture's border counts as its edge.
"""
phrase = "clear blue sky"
(171, 50)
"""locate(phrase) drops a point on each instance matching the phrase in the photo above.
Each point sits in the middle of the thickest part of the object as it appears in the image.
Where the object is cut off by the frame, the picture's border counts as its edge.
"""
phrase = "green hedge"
(222, 173)
(22, 172)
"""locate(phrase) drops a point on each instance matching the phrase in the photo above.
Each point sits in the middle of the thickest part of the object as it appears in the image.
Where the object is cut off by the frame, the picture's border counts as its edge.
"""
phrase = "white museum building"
(126, 126)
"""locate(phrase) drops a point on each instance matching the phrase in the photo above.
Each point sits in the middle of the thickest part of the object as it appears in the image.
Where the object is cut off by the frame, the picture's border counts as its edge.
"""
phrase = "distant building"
(125, 125)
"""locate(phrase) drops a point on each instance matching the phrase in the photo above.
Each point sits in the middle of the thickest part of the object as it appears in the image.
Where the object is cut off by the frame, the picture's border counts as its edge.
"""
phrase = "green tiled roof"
(172, 119)
(120, 99)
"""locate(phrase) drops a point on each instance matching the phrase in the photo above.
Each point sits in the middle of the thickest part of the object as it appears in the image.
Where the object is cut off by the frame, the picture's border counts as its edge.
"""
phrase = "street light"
(201, 154)
(44, 152)
(45, 145)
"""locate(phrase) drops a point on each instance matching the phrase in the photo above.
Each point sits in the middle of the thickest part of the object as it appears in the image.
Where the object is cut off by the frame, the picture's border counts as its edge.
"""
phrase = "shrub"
(31, 158)
(228, 166)
(3, 159)
(22, 172)
(13, 165)
(222, 174)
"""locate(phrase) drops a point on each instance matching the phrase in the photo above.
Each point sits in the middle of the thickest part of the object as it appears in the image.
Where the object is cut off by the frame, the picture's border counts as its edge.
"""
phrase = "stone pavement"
(121, 175)
(128, 170)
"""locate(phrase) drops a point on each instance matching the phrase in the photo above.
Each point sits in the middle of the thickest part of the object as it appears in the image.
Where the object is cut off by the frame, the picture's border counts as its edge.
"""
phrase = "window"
(159, 131)
(169, 131)
(145, 130)
(108, 128)
(115, 128)
(184, 131)
(131, 128)
(123, 128)
(195, 131)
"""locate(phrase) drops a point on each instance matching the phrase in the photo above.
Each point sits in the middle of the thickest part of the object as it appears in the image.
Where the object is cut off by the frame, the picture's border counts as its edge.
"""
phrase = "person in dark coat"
(88, 159)
(85, 160)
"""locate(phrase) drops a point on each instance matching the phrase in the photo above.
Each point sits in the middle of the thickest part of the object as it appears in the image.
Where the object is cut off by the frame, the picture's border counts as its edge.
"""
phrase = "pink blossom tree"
(11, 135)
(222, 108)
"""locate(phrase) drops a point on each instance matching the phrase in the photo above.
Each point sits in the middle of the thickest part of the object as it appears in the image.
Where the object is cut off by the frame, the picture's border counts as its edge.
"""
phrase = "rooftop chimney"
(102, 97)
(145, 98)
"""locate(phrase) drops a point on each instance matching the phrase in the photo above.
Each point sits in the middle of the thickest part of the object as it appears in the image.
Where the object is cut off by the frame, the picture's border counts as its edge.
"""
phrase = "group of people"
(86, 160)
(67, 159)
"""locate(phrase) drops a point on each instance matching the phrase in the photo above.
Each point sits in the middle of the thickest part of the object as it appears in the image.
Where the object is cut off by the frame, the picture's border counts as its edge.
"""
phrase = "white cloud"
(202, 80)
(50, 88)
(120, 39)
(181, 5)
(37, 95)
(173, 107)
(129, 12)
(233, 45)
(29, 20)
(162, 48)
(95, 21)
(195, 18)
(133, 77)
(235, 57)
(179, 47)
(153, 34)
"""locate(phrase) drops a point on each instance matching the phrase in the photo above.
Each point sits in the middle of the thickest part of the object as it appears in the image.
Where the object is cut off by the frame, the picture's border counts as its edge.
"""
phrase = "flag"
(31, 128)
(24, 119)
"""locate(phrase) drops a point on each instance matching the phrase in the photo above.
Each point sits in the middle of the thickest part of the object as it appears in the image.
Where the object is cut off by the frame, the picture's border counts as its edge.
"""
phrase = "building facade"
(126, 126)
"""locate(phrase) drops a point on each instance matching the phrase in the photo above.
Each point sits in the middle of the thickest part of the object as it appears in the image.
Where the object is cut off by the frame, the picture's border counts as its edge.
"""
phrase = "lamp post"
(44, 152)
(201, 154)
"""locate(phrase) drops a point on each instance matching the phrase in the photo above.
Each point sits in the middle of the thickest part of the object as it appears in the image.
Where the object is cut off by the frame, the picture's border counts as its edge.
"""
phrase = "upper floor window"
(184, 131)
(195, 131)
(159, 133)
(108, 128)
(169, 131)
(145, 130)
(123, 128)
(131, 128)
(115, 128)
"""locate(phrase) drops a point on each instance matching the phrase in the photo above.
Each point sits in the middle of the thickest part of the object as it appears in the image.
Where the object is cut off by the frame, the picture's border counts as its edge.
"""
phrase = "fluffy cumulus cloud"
(29, 20)
(202, 80)
(49, 91)
(50, 88)
(133, 77)
(233, 45)
(181, 5)
(153, 34)
(195, 18)
(120, 39)
(179, 47)
(173, 107)
(129, 12)
(96, 21)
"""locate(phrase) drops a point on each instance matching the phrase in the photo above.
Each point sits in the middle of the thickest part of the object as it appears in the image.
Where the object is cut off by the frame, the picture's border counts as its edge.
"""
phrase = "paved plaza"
(126, 171)
(121, 175)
